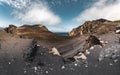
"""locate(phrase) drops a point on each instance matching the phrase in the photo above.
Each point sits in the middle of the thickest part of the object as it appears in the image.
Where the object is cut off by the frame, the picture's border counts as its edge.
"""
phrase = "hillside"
(34, 50)
(100, 26)
(37, 31)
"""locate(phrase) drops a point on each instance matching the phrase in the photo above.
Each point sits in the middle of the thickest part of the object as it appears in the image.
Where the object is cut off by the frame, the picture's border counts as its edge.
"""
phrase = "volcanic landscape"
(90, 49)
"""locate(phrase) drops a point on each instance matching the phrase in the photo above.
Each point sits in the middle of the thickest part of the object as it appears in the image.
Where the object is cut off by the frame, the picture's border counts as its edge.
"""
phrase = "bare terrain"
(26, 51)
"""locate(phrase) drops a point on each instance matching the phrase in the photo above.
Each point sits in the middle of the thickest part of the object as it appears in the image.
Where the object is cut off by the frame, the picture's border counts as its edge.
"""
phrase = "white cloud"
(107, 9)
(39, 14)
(15, 3)
(29, 11)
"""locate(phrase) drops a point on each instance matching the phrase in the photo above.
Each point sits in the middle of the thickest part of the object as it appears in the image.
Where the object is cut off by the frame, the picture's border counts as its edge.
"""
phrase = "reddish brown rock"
(100, 26)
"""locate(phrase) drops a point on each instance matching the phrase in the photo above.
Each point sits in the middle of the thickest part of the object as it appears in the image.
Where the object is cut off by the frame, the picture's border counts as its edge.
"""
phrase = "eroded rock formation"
(91, 41)
(11, 29)
(100, 26)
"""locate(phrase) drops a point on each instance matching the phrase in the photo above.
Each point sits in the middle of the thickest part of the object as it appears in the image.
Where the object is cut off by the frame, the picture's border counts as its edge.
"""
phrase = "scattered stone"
(110, 52)
(54, 51)
(100, 57)
(106, 55)
(75, 64)
(35, 69)
(113, 56)
(46, 71)
(91, 47)
(51, 69)
(87, 52)
(104, 42)
(86, 65)
(9, 63)
(63, 67)
(25, 70)
(80, 56)
(38, 45)
(101, 41)
(115, 61)
(110, 64)
(100, 46)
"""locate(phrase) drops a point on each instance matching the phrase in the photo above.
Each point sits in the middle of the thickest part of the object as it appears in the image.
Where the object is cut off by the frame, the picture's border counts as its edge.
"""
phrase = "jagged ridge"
(100, 26)
(37, 31)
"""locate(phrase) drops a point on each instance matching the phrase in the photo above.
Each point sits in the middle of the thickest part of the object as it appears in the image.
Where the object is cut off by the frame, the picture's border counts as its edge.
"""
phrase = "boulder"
(54, 51)
(80, 56)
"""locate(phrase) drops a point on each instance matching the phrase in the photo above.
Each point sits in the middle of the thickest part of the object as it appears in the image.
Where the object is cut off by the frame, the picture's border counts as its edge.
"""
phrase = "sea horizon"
(62, 33)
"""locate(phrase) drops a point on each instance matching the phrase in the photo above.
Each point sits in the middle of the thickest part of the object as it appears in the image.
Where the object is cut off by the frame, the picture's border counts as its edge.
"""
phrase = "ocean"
(62, 33)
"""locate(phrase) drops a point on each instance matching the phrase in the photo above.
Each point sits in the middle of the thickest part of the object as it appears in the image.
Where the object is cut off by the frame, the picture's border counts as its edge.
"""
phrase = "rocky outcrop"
(100, 26)
(91, 41)
(37, 31)
(36, 26)
(28, 30)
(11, 29)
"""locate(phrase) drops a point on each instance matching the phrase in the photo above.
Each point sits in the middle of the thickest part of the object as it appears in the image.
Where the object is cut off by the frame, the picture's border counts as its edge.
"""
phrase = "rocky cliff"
(85, 55)
(100, 26)
(37, 31)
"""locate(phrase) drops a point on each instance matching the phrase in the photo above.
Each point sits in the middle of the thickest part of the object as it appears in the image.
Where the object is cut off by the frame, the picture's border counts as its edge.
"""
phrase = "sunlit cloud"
(107, 9)
(28, 11)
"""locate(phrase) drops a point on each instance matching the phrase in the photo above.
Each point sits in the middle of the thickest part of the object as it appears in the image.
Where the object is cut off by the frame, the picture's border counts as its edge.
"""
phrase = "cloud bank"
(107, 9)
(29, 11)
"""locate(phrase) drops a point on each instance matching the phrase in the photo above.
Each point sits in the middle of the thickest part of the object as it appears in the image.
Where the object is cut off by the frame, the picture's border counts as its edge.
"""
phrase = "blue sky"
(57, 15)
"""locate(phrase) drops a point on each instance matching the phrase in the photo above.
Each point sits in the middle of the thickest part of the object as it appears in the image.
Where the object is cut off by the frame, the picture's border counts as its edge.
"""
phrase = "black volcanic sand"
(17, 58)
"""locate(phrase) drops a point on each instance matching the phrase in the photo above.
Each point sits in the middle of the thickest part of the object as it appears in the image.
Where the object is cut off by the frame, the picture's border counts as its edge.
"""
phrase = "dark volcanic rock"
(91, 41)
(100, 26)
